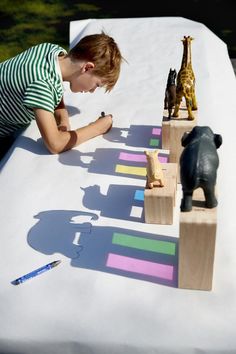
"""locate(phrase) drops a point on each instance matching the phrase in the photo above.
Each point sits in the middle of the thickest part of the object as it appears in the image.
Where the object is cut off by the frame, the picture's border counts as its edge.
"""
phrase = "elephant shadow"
(114, 250)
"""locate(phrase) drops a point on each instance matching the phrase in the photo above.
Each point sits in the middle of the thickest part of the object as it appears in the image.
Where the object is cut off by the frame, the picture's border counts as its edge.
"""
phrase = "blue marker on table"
(36, 272)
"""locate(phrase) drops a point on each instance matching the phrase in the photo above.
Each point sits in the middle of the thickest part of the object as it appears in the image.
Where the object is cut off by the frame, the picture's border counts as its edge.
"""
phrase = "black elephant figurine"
(199, 162)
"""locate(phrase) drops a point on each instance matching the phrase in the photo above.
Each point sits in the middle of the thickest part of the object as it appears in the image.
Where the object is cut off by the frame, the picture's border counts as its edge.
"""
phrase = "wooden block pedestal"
(159, 202)
(170, 171)
(165, 131)
(172, 131)
(197, 245)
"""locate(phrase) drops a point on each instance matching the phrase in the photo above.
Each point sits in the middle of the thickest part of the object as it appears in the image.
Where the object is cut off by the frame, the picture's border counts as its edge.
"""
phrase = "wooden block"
(177, 130)
(197, 245)
(170, 170)
(172, 132)
(159, 202)
(165, 131)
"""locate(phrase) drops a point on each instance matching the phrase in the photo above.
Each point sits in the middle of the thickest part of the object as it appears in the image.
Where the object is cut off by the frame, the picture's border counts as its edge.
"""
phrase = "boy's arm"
(62, 117)
(58, 141)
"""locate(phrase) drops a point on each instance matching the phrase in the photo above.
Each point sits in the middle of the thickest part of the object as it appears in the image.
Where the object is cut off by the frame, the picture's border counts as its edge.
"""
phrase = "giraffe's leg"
(189, 108)
(177, 105)
(194, 101)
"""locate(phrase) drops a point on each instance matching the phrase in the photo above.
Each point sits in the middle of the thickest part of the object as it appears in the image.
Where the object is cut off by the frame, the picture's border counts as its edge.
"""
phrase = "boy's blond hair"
(103, 51)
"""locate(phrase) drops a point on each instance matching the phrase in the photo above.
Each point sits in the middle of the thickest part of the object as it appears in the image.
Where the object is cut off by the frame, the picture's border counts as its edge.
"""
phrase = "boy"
(31, 87)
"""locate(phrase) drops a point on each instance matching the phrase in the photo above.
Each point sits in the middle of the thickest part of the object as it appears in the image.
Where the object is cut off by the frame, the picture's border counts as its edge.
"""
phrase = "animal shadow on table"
(103, 160)
(123, 202)
(55, 231)
(144, 136)
(113, 250)
(115, 162)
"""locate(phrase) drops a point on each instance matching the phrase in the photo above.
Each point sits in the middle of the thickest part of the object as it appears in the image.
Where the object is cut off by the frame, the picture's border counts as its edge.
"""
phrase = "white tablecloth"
(82, 206)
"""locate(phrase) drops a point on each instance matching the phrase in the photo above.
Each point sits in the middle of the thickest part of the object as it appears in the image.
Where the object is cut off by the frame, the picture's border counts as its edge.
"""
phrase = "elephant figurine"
(199, 162)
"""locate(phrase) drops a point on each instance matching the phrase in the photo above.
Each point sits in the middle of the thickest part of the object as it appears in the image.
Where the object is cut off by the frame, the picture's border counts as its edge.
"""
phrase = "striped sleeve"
(39, 94)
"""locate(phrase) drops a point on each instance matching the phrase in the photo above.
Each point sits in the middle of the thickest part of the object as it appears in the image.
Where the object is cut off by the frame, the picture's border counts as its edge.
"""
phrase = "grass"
(25, 22)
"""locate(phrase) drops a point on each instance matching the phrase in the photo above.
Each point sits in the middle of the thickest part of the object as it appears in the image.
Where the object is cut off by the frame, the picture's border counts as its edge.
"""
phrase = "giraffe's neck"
(186, 61)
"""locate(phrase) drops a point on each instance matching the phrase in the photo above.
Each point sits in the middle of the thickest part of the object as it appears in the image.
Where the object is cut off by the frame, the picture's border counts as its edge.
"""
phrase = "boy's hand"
(109, 116)
(103, 124)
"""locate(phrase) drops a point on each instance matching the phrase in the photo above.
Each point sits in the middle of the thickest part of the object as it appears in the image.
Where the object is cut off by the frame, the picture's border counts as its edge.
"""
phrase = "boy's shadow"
(144, 136)
(35, 146)
(112, 250)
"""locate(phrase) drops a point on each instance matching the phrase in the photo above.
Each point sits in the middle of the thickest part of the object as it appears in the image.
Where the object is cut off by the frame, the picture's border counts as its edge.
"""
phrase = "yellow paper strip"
(131, 170)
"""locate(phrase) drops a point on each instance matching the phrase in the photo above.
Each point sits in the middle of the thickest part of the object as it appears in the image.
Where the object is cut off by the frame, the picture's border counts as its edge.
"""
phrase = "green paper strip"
(144, 243)
(154, 142)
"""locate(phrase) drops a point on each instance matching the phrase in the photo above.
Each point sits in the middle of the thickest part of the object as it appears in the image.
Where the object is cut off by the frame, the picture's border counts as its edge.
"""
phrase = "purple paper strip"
(140, 266)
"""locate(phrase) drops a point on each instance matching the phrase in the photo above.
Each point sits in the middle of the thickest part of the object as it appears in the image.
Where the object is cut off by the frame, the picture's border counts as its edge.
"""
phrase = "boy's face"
(84, 80)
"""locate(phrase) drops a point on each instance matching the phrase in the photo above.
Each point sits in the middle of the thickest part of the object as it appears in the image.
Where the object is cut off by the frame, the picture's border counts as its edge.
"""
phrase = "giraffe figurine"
(186, 81)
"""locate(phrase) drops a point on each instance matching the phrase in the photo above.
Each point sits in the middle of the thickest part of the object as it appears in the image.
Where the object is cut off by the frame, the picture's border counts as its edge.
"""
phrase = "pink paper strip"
(140, 266)
(132, 157)
(163, 159)
(125, 156)
(156, 131)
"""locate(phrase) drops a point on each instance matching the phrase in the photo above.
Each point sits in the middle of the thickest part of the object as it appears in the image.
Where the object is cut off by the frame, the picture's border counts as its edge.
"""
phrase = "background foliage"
(28, 22)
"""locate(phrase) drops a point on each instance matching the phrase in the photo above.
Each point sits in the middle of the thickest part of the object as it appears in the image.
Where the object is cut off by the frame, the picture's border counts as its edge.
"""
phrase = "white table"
(78, 205)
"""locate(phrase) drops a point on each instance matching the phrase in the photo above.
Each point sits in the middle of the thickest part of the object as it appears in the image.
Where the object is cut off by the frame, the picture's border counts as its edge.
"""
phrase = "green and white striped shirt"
(29, 80)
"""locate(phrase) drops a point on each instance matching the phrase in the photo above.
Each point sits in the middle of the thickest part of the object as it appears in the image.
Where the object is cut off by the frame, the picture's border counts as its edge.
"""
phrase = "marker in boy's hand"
(103, 115)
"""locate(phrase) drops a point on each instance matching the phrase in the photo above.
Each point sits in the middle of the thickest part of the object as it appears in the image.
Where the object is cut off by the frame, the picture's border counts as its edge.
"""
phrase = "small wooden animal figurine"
(198, 165)
(155, 176)
(186, 81)
(170, 93)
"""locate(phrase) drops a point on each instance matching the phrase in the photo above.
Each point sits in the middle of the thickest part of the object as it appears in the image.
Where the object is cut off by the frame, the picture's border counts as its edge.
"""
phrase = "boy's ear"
(88, 66)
